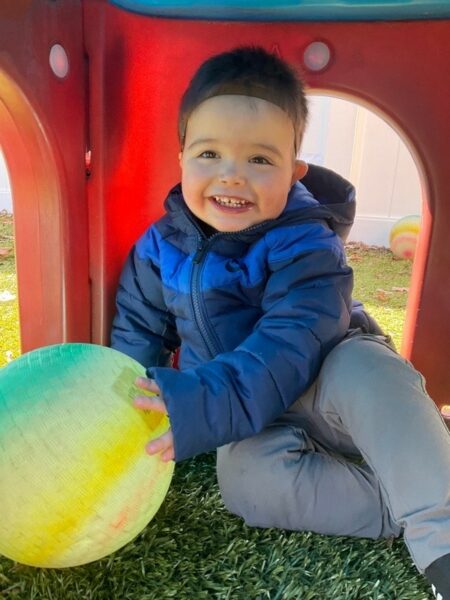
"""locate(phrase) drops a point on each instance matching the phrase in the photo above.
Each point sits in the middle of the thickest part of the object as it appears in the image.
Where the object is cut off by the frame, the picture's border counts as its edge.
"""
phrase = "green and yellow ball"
(75, 481)
(404, 235)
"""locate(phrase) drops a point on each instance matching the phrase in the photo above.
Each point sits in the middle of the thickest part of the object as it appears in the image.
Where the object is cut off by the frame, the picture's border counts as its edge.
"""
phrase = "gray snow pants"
(363, 452)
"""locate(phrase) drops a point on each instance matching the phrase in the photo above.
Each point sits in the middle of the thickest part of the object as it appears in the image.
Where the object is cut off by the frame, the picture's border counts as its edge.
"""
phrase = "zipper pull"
(201, 249)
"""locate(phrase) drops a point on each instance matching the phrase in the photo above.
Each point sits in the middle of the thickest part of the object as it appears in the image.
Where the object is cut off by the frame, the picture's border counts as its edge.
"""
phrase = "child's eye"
(260, 160)
(208, 154)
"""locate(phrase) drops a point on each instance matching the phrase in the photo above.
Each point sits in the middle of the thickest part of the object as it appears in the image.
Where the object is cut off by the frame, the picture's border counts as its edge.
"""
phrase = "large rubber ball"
(75, 481)
(404, 235)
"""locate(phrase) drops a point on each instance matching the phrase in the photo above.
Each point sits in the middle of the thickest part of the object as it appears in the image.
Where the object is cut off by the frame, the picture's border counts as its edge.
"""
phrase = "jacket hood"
(333, 193)
(321, 194)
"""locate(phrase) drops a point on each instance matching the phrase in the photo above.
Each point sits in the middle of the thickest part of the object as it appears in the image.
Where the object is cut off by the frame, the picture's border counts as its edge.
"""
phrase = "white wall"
(5, 192)
(363, 148)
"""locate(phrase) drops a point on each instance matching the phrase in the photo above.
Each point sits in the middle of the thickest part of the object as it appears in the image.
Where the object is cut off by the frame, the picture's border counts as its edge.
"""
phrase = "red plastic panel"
(42, 134)
(137, 69)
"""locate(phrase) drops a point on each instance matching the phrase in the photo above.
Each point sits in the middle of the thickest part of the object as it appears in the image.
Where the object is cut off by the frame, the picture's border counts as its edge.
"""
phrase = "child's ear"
(300, 170)
(180, 156)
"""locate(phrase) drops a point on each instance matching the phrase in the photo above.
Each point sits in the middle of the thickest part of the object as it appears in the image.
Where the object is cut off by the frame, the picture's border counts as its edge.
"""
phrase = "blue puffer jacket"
(254, 313)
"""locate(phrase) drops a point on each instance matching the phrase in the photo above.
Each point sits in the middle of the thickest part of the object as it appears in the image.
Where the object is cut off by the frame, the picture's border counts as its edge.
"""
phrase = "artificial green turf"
(193, 549)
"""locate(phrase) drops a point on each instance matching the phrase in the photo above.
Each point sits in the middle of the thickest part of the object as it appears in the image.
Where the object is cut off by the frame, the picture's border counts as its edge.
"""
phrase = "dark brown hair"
(247, 71)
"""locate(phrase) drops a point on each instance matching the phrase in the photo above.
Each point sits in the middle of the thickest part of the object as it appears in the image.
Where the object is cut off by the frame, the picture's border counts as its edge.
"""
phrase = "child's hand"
(164, 443)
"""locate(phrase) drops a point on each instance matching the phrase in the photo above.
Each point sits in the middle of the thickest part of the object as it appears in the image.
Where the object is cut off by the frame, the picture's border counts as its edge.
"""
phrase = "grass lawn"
(193, 549)
(9, 313)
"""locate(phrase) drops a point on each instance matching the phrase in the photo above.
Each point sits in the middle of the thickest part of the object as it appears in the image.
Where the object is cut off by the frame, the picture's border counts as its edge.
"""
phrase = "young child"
(319, 424)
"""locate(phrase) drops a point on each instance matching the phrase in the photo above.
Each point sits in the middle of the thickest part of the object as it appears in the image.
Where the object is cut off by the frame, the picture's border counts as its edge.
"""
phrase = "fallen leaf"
(382, 295)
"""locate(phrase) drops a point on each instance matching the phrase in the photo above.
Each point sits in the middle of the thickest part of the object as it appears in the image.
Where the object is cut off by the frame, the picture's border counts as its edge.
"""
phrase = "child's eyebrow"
(270, 148)
(202, 141)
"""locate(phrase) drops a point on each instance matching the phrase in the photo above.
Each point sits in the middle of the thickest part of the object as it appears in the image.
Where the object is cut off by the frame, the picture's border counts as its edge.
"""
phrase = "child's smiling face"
(238, 162)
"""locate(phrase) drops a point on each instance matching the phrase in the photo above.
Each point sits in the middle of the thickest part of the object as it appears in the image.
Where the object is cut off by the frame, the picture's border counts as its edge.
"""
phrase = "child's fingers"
(163, 444)
(168, 455)
(150, 403)
(147, 384)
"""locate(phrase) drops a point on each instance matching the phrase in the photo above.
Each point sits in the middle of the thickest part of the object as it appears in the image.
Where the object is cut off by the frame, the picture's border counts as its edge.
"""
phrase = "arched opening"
(362, 147)
(42, 235)
(9, 309)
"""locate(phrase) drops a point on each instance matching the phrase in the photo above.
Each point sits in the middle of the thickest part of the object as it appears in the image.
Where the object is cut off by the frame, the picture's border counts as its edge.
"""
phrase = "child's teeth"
(229, 201)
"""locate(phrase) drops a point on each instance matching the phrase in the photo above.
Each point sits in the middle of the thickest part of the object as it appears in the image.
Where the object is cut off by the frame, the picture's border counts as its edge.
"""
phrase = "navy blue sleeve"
(143, 328)
(306, 306)
(360, 319)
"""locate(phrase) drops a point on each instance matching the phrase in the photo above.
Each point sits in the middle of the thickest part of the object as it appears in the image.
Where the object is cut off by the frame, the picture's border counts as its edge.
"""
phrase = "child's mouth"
(228, 203)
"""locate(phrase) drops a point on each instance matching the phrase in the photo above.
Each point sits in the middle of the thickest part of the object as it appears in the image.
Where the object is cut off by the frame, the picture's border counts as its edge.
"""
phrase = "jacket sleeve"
(143, 328)
(306, 311)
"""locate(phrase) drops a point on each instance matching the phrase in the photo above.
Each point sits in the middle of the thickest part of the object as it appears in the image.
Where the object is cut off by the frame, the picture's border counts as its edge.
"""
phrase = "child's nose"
(231, 173)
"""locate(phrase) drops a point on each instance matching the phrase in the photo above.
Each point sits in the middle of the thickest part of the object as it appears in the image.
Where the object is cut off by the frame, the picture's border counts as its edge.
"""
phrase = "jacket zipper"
(197, 300)
(204, 244)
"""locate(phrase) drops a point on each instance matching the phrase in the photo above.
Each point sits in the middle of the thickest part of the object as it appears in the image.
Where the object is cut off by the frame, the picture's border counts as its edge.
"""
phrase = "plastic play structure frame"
(92, 154)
